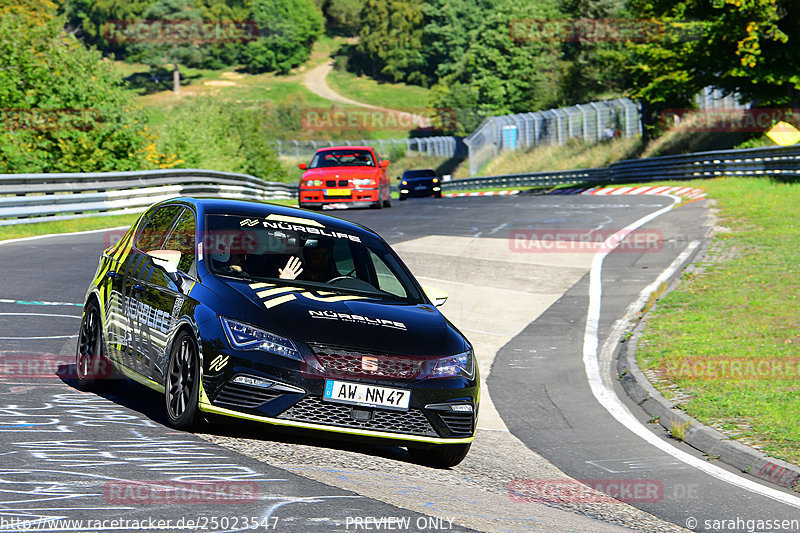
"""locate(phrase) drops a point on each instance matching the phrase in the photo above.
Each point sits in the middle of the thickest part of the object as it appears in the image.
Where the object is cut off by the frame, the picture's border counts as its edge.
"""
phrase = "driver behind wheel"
(318, 266)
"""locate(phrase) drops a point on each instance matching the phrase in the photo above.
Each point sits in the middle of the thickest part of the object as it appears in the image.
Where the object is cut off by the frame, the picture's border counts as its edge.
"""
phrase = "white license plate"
(366, 395)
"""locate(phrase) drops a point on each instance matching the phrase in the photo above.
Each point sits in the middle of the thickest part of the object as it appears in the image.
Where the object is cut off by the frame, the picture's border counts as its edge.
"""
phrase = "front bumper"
(295, 400)
(317, 197)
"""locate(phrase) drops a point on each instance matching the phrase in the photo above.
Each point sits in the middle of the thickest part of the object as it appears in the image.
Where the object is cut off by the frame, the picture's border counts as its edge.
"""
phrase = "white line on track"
(37, 237)
(606, 396)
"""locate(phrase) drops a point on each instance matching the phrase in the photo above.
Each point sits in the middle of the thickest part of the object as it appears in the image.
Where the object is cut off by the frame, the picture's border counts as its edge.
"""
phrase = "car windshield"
(297, 251)
(411, 174)
(342, 158)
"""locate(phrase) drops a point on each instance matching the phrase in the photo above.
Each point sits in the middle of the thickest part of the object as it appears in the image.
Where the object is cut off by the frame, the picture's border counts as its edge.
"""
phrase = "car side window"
(156, 228)
(182, 239)
(387, 281)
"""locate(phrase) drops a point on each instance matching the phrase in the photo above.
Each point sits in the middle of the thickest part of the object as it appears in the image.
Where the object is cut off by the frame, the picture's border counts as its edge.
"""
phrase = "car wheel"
(183, 383)
(378, 204)
(388, 202)
(441, 456)
(402, 198)
(91, 366)
(437, 195)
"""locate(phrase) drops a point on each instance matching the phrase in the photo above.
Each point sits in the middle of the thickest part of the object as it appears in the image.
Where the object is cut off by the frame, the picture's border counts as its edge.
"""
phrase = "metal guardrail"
(776, 162)
(26, 198)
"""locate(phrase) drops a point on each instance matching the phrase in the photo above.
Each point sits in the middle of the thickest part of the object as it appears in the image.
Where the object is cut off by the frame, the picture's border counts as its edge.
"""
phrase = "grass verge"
(728, 336)
(16, 231)
(393, 95)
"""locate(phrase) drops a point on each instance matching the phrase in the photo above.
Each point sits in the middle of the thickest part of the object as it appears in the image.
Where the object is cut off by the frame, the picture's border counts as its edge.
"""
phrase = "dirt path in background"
(315, 82)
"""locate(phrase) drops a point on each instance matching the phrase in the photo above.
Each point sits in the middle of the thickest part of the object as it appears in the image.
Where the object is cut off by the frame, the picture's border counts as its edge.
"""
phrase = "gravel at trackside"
(476, 492)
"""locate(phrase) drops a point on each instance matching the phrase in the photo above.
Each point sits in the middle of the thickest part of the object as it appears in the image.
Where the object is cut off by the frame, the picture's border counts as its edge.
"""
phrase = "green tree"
(287, 31)
(343, 17)
(390, 41)
(503, 71)
(739, 46)
(92, 21)
(63, 108)
(172, 37)
(593, 63)
(451, 26)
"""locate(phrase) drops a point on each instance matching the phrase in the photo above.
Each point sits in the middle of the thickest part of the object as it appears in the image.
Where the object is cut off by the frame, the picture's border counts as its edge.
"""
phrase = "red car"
(352, 175)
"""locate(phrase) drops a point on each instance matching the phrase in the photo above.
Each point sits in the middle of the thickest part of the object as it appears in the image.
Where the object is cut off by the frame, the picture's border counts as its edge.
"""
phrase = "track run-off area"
(544, 286)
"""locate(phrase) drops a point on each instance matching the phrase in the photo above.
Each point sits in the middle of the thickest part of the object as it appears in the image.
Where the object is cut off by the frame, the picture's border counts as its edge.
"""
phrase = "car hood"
(342, 172)
(310, 316)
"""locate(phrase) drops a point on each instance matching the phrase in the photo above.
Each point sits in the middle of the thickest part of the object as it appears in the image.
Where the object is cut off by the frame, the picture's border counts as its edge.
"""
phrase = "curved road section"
(525, 285)
(316, 83)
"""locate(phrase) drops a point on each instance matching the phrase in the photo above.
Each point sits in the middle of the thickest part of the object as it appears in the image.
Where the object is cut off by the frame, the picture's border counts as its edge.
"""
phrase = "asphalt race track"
(79, 461)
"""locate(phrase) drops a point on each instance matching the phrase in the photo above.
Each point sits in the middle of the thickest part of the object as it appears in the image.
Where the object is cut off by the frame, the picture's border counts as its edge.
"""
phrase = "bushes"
(62, 108)
(219, 135)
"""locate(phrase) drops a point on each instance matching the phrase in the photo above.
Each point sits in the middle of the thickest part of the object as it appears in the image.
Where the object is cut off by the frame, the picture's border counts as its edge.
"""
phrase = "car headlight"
(404, 182)
(244, 337)
(362, 182)
(314, 183)
(462, 364)
(435, 180)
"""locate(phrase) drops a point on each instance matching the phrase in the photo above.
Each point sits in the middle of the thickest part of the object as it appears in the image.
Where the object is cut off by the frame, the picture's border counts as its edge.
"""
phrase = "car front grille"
(339, 362)
(315, 411)
(461, 423)
(247, 396)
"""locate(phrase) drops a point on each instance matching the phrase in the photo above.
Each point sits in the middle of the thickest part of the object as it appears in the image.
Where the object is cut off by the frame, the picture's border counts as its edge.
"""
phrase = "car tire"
(182, 386)
(437, 195)
(441, 456)
(378, 204)
(387, 202)
(402, 198)
(92, 368)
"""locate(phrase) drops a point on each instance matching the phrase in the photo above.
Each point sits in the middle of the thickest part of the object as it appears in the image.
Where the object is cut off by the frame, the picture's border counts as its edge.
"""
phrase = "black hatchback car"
(282, 316)
(418, 183)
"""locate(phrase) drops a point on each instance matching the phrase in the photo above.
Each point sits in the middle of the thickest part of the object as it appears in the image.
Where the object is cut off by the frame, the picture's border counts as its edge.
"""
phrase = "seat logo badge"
(249, 222)
(218, 363)
(369, 364)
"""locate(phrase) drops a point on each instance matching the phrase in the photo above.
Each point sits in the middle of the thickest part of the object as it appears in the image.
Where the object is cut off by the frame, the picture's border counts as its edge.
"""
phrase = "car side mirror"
(384, 163)
(437, 296)
(167, 260)
(302, 166)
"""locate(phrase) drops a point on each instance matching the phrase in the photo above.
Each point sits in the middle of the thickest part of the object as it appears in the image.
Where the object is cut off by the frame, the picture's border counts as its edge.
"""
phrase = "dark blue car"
(281, 316)
(419, 183)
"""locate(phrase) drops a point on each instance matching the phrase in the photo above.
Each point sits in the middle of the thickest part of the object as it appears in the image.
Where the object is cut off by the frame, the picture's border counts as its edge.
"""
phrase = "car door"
(163, 298)
(140, 273)
(112, 292)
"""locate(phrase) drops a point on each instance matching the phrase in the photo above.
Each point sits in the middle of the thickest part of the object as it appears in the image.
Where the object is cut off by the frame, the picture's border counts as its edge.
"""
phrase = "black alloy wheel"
(182, 387)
